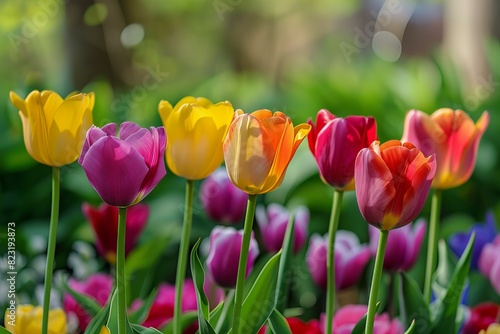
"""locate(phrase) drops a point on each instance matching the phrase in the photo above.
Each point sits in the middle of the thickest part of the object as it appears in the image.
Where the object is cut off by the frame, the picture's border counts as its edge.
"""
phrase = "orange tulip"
(259, 147)
(452, 136)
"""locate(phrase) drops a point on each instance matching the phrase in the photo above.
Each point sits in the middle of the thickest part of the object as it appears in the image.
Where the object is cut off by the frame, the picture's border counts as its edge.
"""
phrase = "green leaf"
(139, 315)
(284, 268)
(260, 301)
(187, 318)
(201, 299)
(221, 317)
(412, 305)
(445, 308)
(411, 328)
(278, 324)
(100, 318)
(146, 255)
(4, 331)
(113, 316)
(145, 330)
(88, 303)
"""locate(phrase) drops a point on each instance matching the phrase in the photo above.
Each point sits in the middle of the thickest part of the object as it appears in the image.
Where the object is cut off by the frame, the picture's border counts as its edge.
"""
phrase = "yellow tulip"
(259, 147)
(54, 129)
(492, 329)
(195, 130)
(28, 320)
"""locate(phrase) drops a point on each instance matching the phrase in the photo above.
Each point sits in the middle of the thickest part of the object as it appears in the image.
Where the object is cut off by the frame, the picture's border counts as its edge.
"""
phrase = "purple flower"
(97, 286)
(489, 262)
(403, 245)
(124, 167)
(274, 222)
(224, 255)
(485, 233)
(350, 259)
(221, 199)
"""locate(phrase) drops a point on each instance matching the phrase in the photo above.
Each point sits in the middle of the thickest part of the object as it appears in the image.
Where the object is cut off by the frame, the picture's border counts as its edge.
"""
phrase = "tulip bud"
(224, 255)
(28, 320)
(222, 201)
(274, 222)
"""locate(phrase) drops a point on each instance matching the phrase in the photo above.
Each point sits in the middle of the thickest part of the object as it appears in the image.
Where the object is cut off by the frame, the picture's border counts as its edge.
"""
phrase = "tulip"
(335, 143)
(196, 129)
(54, 128)
(489, 262)
(124, 167)
(347, 317)
(104, 223)
(224, 254)
(403, 245)
(97, 286)
(27, 319)
(221, 200)
(258, 149)
(297, 326)
(485, 233)
(392, 183)
(350, 259)
(481, 316)
(452, 136)
(274, 222)
(492, 329)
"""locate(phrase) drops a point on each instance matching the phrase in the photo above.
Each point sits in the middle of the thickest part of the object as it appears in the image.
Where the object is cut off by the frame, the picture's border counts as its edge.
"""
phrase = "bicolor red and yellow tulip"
(54, 128)
(452, 136)
(335, 143)
(259, 147)
(196, 129)
(392, 183)
(27, 319)
(125, 166)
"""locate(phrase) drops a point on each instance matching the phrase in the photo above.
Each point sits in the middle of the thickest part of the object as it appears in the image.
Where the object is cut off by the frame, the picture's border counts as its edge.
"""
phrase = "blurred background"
(352, 57)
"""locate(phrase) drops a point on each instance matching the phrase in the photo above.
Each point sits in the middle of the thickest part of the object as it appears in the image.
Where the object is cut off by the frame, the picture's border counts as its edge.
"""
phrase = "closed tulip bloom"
(27, 319)
(392, 183)
(452, 136)
(54, 128)
(258, 149)
(196, 129)
(481, 317)
(350, 259)
(221, 200)
(297, 326)
(273, 224)
(335, 143)
(104, 223)
(224, 254)
(124, 167)
(403, 245)
(489, 262)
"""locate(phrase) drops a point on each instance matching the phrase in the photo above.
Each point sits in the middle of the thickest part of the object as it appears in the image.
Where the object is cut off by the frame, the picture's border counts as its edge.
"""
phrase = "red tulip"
(335, 143)
(481, 316)
(298, 326)
(392, 183)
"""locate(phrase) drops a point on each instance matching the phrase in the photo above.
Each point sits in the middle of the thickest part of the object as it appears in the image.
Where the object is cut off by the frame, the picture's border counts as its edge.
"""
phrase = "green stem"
(377, 274)
(120, 271)
(183, 255)
(330, 258)
(242, 266)
(51, 247)
(432, 242)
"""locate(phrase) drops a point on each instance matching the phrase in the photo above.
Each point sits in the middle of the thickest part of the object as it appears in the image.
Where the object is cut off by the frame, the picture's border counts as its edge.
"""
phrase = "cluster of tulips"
(391, 180)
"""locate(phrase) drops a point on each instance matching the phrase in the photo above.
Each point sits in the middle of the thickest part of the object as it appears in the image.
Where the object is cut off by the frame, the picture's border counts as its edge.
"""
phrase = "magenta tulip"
(403, 245)
(221, 199)
(104, 222)
(489, 262)
(350, 259)
(224, 255)
(97, 286)
(335, 143)
(274, 222)
(124, 167)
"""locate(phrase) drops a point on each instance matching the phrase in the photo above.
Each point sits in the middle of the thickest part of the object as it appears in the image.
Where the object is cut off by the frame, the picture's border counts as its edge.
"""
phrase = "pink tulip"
(403, 245)
(104, 222)
(335, 143)
(489, 262)
(392, 183)
(224, 255)
(97, 286)
(221, 199)
(348, 316)
(124, 167)
(452, 136)
(350, 259)
(274, 222)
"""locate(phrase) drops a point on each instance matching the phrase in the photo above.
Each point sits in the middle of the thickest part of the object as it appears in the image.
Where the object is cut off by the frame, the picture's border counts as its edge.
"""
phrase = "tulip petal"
(93, 135)
(128, 129)
(115, 170)
(154, 161)
(323, 117)
(416, 237)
